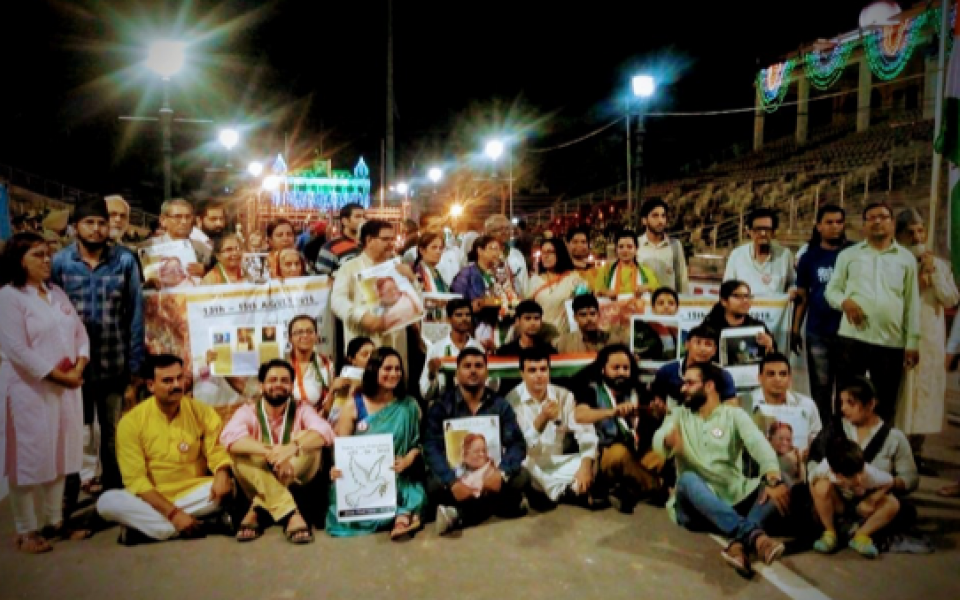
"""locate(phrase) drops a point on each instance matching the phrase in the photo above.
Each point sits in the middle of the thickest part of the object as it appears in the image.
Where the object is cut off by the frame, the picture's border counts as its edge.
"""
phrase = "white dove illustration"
(370, 481)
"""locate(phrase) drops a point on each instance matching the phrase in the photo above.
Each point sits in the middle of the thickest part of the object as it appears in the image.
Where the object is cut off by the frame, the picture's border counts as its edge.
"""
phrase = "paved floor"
(568, 553)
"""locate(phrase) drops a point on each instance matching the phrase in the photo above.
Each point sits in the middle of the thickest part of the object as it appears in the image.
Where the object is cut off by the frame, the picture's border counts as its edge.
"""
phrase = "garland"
(824, 69)
(773, 83)
(889, 49)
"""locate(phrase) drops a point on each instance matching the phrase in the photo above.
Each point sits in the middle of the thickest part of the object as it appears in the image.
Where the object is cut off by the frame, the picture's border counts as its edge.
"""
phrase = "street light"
(455, 212)
(255, 168)
(494, 150)
(166, 58)
(403, 188)
(435, 174)
(271, 183)
(644, 87)
(229, 137)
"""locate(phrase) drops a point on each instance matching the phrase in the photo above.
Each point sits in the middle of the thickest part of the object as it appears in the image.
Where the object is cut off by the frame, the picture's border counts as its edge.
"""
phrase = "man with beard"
(707, 439)
(500, 228)
(119, 212)
(460, 315)
(210, 223)
(588, 337)
(659, 251)
(766, 266)
(501, 492)
(823, 321)
(167, 446)
(176, 217)
(275, 444)
(875, 284)
(578, 244)
(103, 283)
(611, 403)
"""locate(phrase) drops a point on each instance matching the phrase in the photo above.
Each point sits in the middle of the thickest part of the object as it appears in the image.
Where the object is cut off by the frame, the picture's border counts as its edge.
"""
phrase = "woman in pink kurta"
(44, 349)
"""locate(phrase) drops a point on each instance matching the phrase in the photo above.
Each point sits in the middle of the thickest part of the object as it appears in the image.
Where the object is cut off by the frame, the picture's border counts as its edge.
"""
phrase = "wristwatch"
(771, 484)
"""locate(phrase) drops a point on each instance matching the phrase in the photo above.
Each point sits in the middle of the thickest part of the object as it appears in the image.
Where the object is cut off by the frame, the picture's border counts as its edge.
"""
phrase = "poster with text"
(167, 262)
(367, 488)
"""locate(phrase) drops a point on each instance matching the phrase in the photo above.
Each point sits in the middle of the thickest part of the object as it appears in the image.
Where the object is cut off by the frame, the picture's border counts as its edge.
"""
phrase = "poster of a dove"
(368, 487)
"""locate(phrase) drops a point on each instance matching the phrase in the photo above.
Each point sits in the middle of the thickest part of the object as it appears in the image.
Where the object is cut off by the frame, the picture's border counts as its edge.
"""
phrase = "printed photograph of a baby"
(391, 296)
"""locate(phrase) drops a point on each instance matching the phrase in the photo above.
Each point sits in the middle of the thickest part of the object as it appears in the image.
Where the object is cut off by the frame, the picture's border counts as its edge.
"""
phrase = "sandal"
(950, 491)
(32, 543)
(62, 532)
(300, 535)
(405, 525)
(249, 529)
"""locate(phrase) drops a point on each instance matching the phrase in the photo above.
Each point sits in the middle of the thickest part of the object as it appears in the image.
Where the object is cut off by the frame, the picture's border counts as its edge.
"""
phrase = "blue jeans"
(821, 360)
(698, 508)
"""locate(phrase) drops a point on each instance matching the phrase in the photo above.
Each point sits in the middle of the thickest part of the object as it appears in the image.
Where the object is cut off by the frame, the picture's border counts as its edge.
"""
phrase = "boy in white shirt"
(843, 482)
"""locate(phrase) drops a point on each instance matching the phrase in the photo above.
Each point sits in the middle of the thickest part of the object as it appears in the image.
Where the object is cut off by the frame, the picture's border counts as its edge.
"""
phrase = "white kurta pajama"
(552, 471)
(920, 406)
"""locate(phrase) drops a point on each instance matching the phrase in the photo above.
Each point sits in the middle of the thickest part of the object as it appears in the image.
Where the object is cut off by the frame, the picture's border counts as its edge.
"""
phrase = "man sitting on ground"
(707, 439)
(165, 448)
(501, 492)
(276, 443)
(560, 451)
(460, 314)
(588, 337)
(611, 403)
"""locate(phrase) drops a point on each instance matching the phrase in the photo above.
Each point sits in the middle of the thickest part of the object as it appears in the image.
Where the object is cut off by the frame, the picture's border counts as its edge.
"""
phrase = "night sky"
(316, 71)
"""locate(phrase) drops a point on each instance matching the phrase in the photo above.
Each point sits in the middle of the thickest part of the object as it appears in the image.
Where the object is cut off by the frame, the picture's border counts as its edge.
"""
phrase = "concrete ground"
(567, 553)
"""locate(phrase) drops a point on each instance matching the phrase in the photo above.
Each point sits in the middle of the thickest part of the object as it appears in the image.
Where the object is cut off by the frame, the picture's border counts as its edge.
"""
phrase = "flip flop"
(248, 528)
(411, 525)
(293, 539)
(32, 543)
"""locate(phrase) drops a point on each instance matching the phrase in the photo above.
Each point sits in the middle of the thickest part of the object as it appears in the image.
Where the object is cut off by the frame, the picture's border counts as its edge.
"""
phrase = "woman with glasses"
(555, 283)
(314, 371)
(229, 252)
(733, 310)
(429, 251)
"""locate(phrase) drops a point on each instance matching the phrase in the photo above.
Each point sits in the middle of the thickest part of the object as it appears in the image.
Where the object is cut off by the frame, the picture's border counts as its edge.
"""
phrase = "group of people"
(726, 459)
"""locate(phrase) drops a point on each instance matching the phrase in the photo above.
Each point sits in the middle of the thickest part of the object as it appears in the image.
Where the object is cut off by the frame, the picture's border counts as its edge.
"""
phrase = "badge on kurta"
(183, 447)
(362, 426)
(767, 278)
(717, 433)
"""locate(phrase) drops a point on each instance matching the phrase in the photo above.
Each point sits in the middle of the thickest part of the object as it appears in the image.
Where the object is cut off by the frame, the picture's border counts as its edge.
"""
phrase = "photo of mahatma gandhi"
(269, 334)
(397, 306)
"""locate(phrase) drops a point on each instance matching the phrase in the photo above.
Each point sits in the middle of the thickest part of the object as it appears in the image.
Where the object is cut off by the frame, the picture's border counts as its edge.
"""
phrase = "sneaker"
(864, 545)
(735, 556)
(768, 549)
(447, 519)
(827, 544)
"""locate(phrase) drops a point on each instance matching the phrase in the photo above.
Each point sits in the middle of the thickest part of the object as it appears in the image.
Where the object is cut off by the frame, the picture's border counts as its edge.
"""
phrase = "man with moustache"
(210, 223)
(875, 285)
(764, 265)
(659, 251)
(611, 403)
(177, 217)
(103, 283)
(168, 446)
(119, 212)
(588, 337)
(503, 487)
(578, 244)
(275, 444)
(707, 440)
(823, 321)
(460, 315)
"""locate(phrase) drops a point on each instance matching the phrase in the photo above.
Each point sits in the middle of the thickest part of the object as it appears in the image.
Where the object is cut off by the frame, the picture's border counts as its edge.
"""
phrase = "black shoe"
(133, 537)
(219, 523)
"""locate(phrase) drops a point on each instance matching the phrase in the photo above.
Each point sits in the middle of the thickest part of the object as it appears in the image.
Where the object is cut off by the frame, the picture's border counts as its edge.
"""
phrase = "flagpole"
(945, 31)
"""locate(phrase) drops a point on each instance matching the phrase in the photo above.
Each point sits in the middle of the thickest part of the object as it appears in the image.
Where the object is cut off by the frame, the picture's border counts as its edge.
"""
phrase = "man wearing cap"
(103, 283)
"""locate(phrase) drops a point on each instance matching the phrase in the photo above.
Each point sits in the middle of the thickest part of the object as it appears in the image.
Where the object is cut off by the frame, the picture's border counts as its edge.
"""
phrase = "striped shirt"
(336, 252)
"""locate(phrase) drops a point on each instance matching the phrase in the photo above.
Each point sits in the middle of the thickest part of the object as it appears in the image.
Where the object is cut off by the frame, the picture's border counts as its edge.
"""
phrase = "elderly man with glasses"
(766, 266)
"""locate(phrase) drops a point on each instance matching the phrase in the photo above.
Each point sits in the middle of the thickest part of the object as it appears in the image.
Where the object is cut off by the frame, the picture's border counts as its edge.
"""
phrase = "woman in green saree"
(383, 407)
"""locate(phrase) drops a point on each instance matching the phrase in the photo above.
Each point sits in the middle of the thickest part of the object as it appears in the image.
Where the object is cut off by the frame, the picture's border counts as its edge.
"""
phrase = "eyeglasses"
(767, 230)
(303, 333)
(184, 217)
(878, 218)
(386, 240)
(742, 296)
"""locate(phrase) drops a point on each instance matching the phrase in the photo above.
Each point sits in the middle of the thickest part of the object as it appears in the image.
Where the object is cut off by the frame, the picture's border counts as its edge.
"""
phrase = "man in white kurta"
(764, 265)
(460, 315)
(347, 300)
(560, 452)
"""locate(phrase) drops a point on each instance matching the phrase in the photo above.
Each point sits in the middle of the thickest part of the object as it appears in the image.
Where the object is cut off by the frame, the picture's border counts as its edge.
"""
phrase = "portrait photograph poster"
(241, 350)
(456, 430)
(655, 341)
(368, 487)
(167, 263)
(740, 355)
(436, 325)
(388, 294)
(255, 267)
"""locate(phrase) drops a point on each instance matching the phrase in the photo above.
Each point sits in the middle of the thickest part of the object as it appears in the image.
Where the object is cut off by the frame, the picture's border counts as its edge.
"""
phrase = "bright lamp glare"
(402, 188)
(271, 183)
(255, 168)
(643, 86)
(229, 137)
(456, 210)
(494, 149)
(166, 57)
(434, 174)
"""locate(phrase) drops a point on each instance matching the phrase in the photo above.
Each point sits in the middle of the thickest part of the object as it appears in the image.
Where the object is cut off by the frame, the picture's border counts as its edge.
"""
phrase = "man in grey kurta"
(874, 284)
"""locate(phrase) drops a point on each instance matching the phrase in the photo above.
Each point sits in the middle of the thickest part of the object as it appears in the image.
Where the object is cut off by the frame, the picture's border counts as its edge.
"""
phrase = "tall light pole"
(166, 58)
(494, 150)
(643, 87)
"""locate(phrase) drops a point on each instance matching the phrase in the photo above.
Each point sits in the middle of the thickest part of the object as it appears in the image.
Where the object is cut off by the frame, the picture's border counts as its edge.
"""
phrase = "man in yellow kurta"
(167, 447)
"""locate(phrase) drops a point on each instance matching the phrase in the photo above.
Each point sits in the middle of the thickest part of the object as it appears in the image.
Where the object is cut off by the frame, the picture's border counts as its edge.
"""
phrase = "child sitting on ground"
(842, 483)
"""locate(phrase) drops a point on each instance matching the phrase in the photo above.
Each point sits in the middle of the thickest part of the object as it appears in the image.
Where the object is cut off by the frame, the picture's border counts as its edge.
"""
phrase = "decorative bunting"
(889, 49)
(823, 69)
(773, 83)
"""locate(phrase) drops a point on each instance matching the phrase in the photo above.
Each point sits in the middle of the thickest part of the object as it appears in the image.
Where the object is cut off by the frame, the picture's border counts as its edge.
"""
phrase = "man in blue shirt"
(103, 283)
(465, 499)
(701, 347)
(823, 321)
